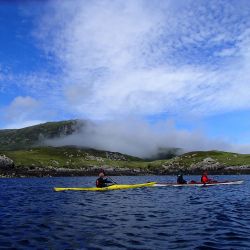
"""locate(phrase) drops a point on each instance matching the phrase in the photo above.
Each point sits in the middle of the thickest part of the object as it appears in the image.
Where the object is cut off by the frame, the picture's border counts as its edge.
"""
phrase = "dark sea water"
(32, 216)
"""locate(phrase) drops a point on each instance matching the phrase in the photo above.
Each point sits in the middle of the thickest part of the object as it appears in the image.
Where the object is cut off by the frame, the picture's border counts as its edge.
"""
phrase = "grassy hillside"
(75, 158)
(12, 139)
(70, 157)
(225, 158)
(213, 161)
(35, 136)
(26, 148)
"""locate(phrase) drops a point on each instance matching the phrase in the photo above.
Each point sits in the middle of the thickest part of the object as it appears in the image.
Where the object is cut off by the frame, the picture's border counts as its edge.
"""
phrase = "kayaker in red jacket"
(204, 178)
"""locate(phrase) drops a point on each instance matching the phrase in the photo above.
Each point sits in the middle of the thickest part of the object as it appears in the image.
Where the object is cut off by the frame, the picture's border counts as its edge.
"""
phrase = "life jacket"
(101, 182)
(204, 179)
(97, 183)
(180, 180)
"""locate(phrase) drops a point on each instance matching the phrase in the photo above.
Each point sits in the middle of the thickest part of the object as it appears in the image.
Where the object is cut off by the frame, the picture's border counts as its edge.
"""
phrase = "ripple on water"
(34, 217)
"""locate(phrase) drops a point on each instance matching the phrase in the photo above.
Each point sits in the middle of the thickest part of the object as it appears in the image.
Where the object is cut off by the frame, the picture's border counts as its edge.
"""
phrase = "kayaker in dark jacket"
(102, 181)
(180, 179)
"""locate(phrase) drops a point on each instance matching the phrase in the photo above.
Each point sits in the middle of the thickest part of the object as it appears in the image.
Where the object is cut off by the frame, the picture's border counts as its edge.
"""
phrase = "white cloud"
(138, 138)
(20, 106)
(141, 58)
(23, 111)
(145, 58)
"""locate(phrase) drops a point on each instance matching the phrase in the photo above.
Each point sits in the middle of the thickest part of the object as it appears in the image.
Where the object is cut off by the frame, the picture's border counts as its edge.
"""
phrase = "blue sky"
(184, 62)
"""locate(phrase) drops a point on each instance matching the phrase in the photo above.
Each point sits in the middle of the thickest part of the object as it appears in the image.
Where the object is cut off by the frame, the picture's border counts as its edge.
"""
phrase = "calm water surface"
(32, 216)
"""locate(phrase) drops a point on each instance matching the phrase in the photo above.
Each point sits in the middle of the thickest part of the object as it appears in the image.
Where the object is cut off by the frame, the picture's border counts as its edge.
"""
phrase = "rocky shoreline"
(9, 170)
(16, 173)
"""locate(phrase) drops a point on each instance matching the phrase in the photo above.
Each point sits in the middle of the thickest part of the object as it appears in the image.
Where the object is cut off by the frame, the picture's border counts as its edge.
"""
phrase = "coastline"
(62, 162)
(20, 173)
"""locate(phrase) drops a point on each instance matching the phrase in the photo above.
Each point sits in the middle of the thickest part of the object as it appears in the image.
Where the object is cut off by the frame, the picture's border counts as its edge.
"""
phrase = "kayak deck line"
(148, 184)
(112, 187)
(198, 184)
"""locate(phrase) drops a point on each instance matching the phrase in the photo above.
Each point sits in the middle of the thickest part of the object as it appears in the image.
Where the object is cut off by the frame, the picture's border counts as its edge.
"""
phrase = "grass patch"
(74, 158)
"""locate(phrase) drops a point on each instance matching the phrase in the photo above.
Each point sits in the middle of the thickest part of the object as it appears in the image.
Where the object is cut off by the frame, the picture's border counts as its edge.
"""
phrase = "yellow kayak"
(112, 187)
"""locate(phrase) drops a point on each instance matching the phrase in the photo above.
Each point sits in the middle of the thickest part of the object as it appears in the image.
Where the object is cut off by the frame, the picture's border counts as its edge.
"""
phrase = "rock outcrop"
(115, 156)
(5, 162)
(207, 164)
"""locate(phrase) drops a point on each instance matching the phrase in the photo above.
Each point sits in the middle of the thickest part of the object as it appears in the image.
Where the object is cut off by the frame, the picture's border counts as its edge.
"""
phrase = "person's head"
(101, 174)
(205, 172)
(102, 171)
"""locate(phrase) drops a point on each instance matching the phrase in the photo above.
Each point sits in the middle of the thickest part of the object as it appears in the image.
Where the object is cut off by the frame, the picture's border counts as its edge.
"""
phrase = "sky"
(150, 62)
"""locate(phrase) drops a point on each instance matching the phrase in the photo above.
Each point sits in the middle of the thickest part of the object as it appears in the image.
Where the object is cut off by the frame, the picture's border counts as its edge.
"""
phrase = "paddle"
(111, 180)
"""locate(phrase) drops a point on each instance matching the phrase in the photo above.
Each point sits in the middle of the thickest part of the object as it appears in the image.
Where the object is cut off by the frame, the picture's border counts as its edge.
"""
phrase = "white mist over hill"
(140, 139)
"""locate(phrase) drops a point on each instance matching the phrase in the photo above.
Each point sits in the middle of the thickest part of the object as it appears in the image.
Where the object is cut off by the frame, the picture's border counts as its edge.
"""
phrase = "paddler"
(102, 181)
(180, 179)
(204, 178)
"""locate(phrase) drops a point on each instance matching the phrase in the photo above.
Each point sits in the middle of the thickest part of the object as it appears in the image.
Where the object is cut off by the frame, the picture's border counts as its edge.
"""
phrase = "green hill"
(13, 139)
(67, 157)
(31, 157)
(54, 161)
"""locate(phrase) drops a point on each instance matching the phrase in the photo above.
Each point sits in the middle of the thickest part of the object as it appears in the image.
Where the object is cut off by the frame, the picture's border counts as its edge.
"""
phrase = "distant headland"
(24, 153)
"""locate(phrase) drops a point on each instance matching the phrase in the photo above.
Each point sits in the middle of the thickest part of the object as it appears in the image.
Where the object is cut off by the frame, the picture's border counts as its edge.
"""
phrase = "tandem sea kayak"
(198, 184)
(112, 187)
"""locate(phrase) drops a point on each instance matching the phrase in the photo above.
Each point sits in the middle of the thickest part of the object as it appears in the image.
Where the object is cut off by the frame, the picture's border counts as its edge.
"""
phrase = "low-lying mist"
(139, 138)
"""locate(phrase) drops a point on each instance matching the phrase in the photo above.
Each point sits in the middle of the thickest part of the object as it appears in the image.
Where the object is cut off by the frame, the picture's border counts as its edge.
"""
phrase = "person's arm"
(108, 181)
(209, 179)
